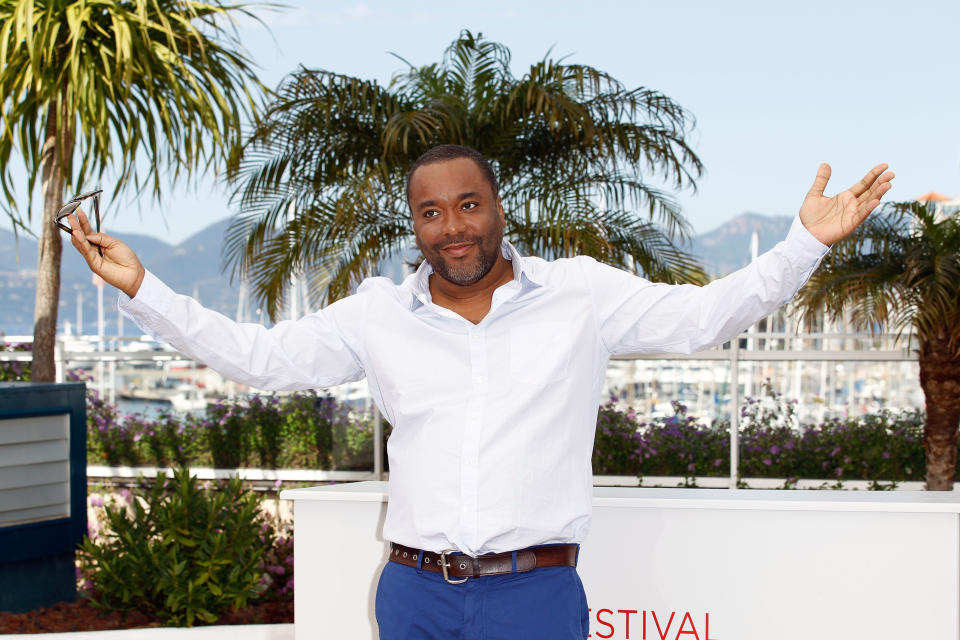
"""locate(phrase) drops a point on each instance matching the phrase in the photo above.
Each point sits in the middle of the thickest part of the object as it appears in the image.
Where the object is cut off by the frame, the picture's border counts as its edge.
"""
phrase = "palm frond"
(573, 147)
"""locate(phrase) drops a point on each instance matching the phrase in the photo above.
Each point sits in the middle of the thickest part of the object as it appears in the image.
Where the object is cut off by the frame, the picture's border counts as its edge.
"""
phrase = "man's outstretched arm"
(638, 316)
(311, 352)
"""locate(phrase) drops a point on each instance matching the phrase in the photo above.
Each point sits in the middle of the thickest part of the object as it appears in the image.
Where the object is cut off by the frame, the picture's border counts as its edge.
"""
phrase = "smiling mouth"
(458, 249)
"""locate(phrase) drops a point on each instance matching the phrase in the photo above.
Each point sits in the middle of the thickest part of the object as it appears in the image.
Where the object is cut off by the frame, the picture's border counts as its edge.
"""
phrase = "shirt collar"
(418, 284)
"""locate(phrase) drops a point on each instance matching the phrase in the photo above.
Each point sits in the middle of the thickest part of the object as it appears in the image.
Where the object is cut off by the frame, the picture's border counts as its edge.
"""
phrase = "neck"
(472, 301)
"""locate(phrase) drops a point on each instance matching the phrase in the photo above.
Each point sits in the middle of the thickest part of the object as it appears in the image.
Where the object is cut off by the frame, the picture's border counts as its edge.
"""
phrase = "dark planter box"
(43, 491)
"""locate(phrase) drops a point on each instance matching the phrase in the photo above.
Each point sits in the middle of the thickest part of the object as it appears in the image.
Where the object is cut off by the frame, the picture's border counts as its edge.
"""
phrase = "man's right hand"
(118, 266)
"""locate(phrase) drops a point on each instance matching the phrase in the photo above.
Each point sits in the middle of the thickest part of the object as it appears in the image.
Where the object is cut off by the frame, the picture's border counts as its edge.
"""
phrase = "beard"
(459, 272)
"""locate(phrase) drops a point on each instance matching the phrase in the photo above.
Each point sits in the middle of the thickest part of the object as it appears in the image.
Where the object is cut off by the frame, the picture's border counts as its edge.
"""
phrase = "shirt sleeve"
(313, 351)
(638, 316)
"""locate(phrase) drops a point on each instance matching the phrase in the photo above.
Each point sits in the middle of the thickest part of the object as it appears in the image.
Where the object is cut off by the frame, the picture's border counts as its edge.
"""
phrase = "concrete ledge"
(221, 632)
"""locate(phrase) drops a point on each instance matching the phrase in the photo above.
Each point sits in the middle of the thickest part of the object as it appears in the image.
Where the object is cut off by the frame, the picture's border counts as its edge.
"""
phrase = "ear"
(503, 215)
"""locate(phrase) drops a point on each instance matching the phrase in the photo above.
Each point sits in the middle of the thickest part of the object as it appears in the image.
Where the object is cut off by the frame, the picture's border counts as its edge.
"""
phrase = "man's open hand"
(118, 266)
(832, 219)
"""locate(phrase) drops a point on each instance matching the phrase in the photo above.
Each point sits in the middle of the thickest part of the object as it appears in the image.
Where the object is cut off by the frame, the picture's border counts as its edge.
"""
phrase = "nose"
(453, 223)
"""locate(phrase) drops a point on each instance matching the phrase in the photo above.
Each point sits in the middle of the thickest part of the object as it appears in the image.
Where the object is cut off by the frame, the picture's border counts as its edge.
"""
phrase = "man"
(488, 365)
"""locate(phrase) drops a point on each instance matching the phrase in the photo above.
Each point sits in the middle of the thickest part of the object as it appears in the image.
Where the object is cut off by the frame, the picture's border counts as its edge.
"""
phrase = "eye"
(430, 213)
(470, 205)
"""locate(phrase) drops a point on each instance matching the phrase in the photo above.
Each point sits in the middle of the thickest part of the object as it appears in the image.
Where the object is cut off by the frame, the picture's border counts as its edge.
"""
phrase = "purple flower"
(774, 449)
(767, 461)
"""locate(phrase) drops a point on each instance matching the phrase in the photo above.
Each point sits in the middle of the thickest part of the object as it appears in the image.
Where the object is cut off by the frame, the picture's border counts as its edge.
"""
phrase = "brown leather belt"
(463, 566)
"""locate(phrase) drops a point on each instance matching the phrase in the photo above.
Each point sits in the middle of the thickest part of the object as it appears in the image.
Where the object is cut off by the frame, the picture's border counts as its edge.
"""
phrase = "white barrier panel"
(688, 564)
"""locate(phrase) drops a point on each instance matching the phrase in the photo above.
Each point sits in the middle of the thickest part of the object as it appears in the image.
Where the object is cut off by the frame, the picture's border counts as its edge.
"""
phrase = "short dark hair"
(445, 152)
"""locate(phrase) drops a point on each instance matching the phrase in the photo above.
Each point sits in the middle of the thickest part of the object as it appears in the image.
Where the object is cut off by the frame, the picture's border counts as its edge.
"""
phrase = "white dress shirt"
(493, 423)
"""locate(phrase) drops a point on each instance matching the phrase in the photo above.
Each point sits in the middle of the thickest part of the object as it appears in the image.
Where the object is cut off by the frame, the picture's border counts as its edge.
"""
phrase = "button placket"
(470, 451)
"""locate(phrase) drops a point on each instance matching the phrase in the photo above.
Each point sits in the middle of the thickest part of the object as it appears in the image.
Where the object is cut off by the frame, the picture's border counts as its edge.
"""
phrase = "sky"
(775, 87)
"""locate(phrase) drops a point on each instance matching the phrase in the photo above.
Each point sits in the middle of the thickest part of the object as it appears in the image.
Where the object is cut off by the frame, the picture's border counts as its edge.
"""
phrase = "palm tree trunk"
(940, 380)
(50, 250)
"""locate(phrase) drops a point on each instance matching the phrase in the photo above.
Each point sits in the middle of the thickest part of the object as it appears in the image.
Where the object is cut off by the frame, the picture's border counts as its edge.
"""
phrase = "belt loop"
(419, 558)
(513, 558)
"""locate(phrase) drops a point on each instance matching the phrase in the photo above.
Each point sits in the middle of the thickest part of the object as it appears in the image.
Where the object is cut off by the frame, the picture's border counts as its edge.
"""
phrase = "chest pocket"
(539, 352)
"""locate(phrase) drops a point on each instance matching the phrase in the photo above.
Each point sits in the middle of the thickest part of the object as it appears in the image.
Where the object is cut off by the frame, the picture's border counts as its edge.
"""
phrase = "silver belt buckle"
(444, 565)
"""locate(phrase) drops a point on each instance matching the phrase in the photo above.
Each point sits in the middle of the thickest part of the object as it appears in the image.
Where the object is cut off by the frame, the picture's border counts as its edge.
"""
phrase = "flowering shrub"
(179, 552)
(277, 563)
(616, 440)
(308, 430)
(297, 431)
(680, 446)
(109, 438)
(227, 435)
(883, 446)
(14, 371)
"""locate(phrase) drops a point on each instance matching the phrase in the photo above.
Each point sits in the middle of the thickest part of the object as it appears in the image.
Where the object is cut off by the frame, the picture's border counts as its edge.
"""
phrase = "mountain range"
(194, 267)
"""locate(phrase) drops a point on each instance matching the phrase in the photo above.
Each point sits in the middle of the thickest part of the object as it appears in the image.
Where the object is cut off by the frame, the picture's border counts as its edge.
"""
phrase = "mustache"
(459, 239)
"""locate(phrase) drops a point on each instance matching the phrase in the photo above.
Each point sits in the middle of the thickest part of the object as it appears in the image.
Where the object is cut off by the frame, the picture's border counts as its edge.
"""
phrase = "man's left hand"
(833, 219)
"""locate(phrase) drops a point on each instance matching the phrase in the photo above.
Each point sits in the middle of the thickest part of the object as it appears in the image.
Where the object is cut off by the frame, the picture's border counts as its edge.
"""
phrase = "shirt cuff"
(152, 297)
(803, 244)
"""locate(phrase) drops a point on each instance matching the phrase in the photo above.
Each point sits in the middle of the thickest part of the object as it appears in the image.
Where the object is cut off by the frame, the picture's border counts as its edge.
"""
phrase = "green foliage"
(227, 436)
(302, 430)
(899, 269)
(132, 85)
(573, 147)
(180, 553)
(267, 438)
(308, 430)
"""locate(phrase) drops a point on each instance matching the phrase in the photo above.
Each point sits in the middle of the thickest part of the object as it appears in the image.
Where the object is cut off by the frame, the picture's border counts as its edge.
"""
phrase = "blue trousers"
(547, 603)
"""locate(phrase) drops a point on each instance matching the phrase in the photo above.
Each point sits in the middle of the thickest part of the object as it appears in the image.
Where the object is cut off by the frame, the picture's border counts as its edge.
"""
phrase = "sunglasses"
(73, 204)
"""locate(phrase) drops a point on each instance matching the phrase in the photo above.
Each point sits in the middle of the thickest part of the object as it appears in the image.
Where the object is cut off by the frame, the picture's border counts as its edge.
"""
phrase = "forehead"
(447, 180)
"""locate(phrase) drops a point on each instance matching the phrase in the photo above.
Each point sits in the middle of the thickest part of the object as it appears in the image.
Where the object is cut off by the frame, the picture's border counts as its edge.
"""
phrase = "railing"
(752, 346)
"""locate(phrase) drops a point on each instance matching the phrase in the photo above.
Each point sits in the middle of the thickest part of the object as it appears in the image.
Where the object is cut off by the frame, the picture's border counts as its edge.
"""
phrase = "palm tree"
(141, 87)
(321, 178)
(901, 269)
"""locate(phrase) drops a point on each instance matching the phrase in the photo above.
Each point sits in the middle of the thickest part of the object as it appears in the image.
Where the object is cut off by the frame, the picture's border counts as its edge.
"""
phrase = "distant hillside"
(727, 248)
(193, 267)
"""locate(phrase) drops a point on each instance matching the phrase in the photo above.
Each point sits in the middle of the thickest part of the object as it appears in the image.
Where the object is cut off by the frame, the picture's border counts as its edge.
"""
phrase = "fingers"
(84, 222)
(80, 242)
(870, 198)
(869, 180)
(820, 182)
(87, 242)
